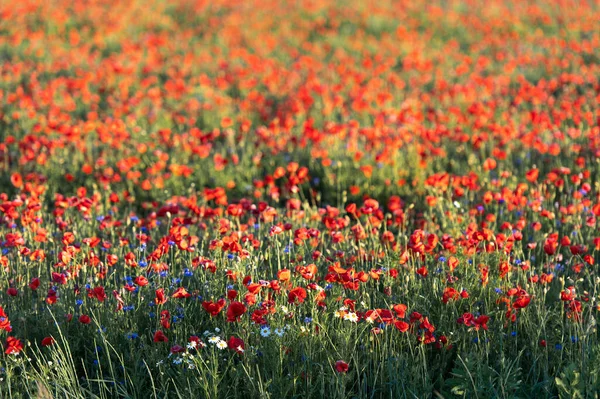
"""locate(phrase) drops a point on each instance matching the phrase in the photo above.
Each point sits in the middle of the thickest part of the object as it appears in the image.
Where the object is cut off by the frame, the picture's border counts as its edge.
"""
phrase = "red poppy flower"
(98, 293)
(214, 308)
(181, 293)
(13, 346)
(235, 310)
(415, 316)
(481, 321)
(160, 336)
(297, 294)
(236, 344)
(165, 319)
(341, 366)
(4, 322)
(449, 294)
(34, 284)
(48, 341)
(231, 294)
(452, 263)
(160, 298)
(401, 325)
(84, 319)
(522, 302)
(283, 275)
(141, 281)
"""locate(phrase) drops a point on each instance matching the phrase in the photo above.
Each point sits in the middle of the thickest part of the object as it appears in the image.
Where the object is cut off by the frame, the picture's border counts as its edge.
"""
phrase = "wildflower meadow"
(299, 199)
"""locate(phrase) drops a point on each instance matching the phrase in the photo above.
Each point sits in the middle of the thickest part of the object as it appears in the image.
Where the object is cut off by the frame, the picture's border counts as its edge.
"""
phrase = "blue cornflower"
(142, 263)
(308, 320)
(442, 258)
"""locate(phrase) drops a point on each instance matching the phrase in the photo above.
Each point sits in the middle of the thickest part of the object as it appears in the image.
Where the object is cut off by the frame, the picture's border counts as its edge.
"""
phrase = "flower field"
(299, 199)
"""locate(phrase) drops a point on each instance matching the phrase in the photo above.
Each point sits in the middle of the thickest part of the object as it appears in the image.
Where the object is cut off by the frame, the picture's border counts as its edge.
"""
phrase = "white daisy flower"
(221, 345)
(351, 317)
(279, 332)
(214, 340)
